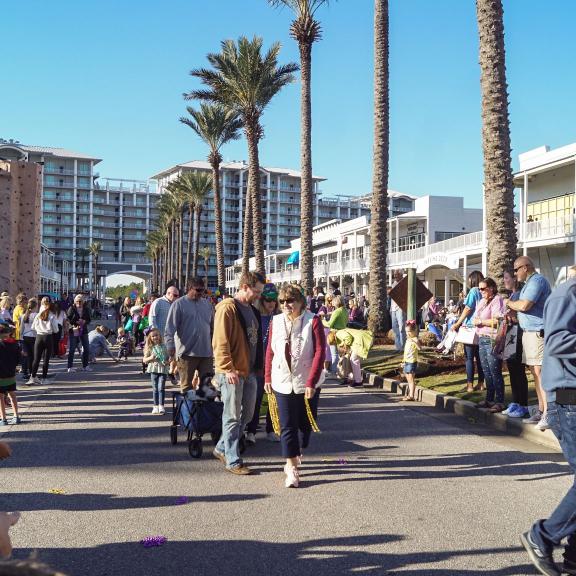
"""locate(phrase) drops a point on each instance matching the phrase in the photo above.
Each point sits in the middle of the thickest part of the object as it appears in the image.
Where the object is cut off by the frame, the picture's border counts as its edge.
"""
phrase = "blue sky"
(107, 77)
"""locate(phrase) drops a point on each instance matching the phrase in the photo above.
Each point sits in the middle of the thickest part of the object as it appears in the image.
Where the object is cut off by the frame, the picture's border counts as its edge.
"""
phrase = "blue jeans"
(73, 342)
(158, 382)
(492, 368)
(398, 325)
(562, 523)
(239, 401)
(334, 354)
(472, 352)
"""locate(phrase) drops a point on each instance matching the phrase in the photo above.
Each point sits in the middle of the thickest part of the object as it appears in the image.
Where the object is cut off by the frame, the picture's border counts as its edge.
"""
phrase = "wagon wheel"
(195, 447)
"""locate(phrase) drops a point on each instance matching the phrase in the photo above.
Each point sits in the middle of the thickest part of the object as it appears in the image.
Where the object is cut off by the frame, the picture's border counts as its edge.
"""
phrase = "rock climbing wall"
(20, 193)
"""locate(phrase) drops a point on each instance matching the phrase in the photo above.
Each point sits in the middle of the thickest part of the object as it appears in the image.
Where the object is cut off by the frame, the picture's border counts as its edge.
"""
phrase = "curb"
(465, 409)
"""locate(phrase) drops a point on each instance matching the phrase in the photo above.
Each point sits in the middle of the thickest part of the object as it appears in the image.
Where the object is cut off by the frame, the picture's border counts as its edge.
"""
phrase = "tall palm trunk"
(247, 232)
(221, 271)
(96, 276)
(498, 183)
(180, 232)
(378, 318)
(306, 195)
(189, 243)
(197, 214)
(252, 136)
(173, 267)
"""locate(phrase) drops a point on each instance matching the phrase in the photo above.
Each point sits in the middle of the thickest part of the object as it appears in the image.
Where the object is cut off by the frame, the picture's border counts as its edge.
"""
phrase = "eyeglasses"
(287, 301)
(483, 289)
(519, 267)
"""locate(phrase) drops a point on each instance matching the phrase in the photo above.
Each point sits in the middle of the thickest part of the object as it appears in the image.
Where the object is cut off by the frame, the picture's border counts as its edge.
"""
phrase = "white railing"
(547, 229)
(457, 244)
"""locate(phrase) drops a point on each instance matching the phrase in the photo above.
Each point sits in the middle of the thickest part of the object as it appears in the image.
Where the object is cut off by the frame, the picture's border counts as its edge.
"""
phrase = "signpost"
(410, 294)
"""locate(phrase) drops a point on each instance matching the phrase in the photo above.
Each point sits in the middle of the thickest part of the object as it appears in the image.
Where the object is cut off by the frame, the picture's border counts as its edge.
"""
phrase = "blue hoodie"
(559, 364)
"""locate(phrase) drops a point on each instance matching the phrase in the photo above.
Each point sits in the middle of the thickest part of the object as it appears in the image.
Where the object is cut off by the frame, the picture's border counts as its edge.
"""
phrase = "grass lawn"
(444, 376)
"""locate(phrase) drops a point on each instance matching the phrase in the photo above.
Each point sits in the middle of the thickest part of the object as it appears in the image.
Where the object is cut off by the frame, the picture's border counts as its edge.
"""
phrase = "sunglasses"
(287, 301)
(483, 289)
(200, 290)
(519, 268)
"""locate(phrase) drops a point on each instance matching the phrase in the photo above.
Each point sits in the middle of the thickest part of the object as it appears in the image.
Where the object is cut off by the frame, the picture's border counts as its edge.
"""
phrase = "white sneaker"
(250, 438)
(292, 478)
(37, 381)
(272, 437)
(161, 410)
(87, 369)
(30, 381)
(71, 370)
(543, 424)
(534, 419)
(155, 410)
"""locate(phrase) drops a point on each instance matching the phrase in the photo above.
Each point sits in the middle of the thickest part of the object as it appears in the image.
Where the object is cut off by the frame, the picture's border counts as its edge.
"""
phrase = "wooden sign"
(400, 294)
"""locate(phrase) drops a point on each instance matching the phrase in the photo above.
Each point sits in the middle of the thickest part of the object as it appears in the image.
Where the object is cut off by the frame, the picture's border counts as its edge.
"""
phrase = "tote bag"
(467, 335)
(510, 344)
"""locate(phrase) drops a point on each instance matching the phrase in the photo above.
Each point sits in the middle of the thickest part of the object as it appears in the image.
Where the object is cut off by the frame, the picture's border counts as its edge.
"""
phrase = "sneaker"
(519, 412)
(37, 381)
(30, 382)
(354, 384)
(161, 410)
(250, 438)
(15, 420)
(542, 560)
(511, 407)
(239, 470)
(292, 478)
(218, 455)
(543, 424)
(87, 369)
(155, 410)
(71, 370)
(534, 419)
(272, 437)
(3, 422)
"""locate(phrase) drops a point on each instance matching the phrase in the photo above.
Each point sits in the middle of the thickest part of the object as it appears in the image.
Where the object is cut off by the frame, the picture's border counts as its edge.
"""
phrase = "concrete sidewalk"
(386, 488)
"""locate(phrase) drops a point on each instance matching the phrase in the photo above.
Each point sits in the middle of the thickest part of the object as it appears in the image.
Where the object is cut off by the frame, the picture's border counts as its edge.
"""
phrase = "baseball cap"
(270, 292)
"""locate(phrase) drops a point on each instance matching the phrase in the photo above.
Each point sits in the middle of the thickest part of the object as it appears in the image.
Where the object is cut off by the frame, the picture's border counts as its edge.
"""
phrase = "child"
(156, 357)
(9, 358)
(123, 341)
(411, 349)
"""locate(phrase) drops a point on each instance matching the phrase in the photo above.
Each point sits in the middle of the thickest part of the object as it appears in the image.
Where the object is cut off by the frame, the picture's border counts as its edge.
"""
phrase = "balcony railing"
(548, 229)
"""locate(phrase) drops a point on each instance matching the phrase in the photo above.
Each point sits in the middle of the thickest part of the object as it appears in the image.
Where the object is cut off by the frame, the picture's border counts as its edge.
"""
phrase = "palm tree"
(154, 246)
(94, 250)
(498, 183)
(194, 188)
(244, 81)
(216, 126)
(168, 209)
(206, 252)
(305, 30)
(180, 201)
(378, 316)
(82, 253)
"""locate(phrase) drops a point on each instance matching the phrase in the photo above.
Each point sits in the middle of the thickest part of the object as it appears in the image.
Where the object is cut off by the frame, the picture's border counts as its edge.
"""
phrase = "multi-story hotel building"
(280, 189)
(79, 208)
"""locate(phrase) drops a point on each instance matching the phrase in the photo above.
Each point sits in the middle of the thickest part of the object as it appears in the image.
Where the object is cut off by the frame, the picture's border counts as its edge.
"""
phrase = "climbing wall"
(20, 192)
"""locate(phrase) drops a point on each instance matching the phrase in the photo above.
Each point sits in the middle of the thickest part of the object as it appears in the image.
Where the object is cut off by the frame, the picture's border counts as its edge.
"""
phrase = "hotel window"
(439, 236)
(552, 208)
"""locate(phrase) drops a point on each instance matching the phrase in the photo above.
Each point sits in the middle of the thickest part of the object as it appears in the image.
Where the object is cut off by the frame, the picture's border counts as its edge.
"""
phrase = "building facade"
(20, 191)
(280, 189)
(78, 208)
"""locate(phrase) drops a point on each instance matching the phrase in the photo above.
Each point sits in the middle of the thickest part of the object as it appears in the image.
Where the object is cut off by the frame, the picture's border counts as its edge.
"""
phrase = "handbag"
(467, 335)
(500, 339)
(128, 325)
(510, 347)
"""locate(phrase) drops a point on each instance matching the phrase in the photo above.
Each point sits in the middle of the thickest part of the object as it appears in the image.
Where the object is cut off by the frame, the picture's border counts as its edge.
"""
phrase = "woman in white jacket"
(294, 368)
(45, 326)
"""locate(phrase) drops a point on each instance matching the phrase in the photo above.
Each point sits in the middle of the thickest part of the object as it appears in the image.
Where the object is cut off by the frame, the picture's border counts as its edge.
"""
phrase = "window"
(552, 208)
(439, 236)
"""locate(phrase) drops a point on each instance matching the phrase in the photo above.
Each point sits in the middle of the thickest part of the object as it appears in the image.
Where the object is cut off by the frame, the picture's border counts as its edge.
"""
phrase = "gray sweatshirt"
(189, 327)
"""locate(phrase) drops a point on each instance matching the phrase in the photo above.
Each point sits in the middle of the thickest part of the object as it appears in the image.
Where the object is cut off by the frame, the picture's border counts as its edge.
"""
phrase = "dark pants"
(492, 368)
(158, 385)
(518, 381)
(293, 419)
(253, 424)
(74, 340)
(28, 357)
(42, 346)
(56, 341)
(562, 523)
(472, 352)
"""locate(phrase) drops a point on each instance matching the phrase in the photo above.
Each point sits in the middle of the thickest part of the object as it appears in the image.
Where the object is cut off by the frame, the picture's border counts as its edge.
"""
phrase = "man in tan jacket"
(238, 356)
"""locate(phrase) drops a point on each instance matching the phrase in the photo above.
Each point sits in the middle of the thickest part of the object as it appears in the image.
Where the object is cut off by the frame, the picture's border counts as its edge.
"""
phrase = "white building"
(280, 189)
(342, 249)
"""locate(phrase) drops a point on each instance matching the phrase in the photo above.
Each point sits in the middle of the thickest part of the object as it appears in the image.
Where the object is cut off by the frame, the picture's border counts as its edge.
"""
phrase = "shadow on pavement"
(325, 557)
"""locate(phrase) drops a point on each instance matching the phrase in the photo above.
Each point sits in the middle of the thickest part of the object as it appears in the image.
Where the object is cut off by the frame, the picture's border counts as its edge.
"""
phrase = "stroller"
(198, 412)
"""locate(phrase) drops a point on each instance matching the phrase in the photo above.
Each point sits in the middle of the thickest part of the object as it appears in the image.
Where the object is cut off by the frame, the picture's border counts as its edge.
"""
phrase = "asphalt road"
(387, 488)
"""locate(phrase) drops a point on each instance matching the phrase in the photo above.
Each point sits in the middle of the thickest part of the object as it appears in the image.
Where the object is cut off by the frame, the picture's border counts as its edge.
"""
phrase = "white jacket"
(43, 327)
(284, 379)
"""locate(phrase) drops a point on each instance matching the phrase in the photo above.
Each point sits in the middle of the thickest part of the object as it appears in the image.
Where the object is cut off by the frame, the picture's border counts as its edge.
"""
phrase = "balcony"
(560, 229)
(48, 169)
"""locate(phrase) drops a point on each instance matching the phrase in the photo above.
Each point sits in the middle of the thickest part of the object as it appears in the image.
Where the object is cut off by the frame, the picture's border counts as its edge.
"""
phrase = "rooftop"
(47, 150)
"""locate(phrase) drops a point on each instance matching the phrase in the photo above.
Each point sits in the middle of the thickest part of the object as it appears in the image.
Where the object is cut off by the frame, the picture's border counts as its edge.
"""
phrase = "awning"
(294, 258)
